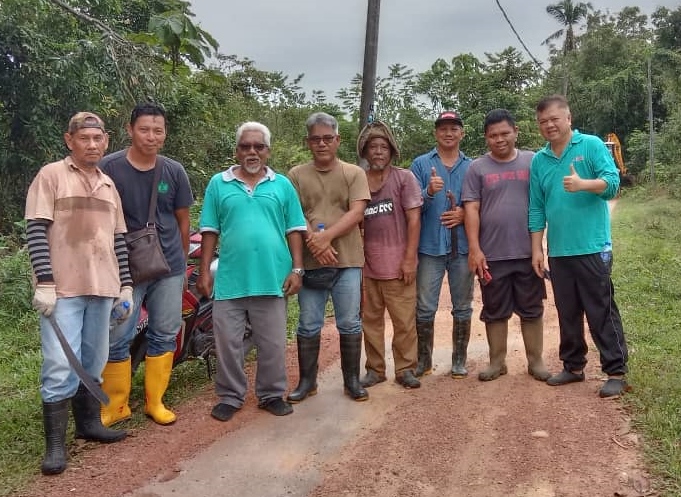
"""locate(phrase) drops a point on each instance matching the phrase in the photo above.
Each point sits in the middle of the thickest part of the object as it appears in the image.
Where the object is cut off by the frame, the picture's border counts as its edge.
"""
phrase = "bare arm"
(182, 217)
(293, 282)
(410, 261)
(477, 261)
(204, 283)
(538, 252)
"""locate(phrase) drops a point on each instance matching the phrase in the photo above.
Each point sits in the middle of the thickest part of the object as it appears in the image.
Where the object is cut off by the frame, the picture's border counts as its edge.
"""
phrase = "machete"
(87, 380)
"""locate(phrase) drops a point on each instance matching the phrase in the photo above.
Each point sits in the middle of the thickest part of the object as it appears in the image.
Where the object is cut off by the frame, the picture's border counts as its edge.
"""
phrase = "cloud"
(325, 40)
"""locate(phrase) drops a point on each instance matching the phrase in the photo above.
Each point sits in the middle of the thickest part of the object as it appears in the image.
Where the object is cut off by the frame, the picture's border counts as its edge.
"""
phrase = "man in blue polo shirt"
(256, 214)
(571, 180)
(443, 245)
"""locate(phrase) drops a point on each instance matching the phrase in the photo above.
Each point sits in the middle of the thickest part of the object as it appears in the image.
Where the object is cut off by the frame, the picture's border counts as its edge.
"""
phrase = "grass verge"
(647, 275)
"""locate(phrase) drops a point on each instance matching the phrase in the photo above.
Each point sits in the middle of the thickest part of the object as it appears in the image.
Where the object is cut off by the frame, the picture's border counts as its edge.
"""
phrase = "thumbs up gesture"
(573, 182)
(435, 184)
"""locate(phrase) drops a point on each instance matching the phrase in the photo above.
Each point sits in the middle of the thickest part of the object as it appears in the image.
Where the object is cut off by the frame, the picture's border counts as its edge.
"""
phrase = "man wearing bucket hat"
(392, 221)
(442, 244)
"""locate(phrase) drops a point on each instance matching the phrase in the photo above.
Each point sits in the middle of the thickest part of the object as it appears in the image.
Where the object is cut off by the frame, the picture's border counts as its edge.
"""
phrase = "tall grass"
(647, 276)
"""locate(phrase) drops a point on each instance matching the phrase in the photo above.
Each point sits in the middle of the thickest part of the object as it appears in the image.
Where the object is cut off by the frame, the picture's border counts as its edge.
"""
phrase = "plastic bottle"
(320, 227)
(120, 310)
(606, 253)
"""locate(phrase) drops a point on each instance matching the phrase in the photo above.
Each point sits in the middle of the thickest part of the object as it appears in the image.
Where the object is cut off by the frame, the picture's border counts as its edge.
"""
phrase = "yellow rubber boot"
(116, 384)
(156, 377)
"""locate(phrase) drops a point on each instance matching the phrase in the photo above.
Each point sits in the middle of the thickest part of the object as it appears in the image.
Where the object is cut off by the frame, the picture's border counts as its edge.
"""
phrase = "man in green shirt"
(571, 180)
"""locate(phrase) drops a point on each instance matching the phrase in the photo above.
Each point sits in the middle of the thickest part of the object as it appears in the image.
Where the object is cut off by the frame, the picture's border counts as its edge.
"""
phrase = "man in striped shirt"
(74, 227)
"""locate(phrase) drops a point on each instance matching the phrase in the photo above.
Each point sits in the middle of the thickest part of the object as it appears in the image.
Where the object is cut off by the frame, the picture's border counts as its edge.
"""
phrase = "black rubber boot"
(55, 422)
(424, 332)
(461, 334)
(86, 413)
(351, 351)
(308, 355)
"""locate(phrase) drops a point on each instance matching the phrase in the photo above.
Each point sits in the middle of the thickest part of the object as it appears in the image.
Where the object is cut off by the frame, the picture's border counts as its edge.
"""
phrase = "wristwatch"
(298, 270)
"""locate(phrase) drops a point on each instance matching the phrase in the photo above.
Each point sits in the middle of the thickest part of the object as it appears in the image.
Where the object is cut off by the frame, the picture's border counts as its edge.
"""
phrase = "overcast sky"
(324, 39)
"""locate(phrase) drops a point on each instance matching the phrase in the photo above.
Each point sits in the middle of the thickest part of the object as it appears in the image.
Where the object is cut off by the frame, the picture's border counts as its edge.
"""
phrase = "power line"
(534, 59)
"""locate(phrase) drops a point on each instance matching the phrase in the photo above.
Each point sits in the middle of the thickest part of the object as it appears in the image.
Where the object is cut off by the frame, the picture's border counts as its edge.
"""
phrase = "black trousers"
(582, 286)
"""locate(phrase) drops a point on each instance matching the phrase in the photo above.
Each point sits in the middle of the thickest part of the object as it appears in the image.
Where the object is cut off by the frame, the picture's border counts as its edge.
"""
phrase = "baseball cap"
(85, 120)
(448, 115)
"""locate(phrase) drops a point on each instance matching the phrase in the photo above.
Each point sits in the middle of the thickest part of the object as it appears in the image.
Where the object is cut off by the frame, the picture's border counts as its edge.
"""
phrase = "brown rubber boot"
(461, 334)
(425, 333)
(497, 335)
(533, 336)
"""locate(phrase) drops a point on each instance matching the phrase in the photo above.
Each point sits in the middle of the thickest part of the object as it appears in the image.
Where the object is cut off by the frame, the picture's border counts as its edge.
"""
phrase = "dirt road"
(462, 438)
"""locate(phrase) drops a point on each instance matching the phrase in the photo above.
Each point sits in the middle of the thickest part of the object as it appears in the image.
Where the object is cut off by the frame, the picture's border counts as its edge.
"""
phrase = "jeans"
(164, 308)
(429, 276)
(84, 321)
(346, 295)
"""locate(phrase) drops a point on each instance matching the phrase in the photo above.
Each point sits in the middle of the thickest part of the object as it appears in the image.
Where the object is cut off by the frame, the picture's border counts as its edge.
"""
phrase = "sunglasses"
(246, 147)
(316, 140)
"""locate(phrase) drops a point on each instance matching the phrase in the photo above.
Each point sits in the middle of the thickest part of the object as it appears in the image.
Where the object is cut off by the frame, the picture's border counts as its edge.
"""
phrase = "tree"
(180, 38)
(568, 14)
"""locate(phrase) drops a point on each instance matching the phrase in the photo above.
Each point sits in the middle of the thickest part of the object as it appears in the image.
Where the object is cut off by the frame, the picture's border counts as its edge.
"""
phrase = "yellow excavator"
(613, 143)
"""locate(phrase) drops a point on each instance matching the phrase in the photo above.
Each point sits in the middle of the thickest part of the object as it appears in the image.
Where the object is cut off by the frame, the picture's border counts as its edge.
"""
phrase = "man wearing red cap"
(442, 244)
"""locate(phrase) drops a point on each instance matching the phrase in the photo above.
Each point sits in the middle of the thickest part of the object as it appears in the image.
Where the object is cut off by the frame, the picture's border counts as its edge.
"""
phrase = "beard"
(378, 167)
(253, 168)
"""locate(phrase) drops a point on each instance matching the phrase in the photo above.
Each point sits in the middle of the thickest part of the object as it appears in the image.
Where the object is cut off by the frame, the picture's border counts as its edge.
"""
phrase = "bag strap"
(158, 169)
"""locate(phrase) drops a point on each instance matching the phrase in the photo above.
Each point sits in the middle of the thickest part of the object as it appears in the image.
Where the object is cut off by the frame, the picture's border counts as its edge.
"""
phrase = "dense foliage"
(61, 56)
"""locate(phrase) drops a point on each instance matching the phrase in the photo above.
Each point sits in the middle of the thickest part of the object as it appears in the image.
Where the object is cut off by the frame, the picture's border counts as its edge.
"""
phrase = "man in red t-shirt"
(392, 222)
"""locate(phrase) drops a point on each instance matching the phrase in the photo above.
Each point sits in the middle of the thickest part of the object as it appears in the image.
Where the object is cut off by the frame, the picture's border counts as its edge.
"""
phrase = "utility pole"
(650, 123)
(370, 57)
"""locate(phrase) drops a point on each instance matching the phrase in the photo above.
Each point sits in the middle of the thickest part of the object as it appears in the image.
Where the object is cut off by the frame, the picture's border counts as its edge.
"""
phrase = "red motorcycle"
(195, 338)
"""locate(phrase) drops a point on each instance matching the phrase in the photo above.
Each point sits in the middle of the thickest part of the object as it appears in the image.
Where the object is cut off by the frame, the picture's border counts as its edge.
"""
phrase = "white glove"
(125, 296)
(45, 298)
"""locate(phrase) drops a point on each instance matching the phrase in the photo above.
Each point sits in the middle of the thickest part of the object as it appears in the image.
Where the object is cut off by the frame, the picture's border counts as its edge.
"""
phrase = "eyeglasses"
(316, 140)
(246, 147)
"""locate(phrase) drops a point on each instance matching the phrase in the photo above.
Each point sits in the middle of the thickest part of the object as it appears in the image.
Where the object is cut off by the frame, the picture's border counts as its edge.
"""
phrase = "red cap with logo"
(448, 115)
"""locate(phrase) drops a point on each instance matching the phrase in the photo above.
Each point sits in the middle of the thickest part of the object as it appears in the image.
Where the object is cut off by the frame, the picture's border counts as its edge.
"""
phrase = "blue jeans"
(346, 296)
(84, 321)
(429, 276)
(164, 308)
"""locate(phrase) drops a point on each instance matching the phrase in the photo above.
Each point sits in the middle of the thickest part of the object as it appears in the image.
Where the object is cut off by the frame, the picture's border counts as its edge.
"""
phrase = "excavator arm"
(613, 143)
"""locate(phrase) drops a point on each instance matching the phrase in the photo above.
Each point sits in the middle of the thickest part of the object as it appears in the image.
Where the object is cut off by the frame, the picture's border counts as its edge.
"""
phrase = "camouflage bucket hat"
(377, 129)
